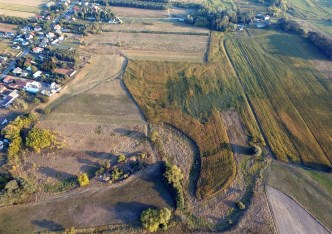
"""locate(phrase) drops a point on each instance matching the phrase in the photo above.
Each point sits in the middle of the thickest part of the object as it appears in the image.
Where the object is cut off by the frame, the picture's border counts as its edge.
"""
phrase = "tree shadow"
(100, 155)
(239, 149)
(156, 178)
(129, 211)
(130, 133)
(50, 172)
(48, 224)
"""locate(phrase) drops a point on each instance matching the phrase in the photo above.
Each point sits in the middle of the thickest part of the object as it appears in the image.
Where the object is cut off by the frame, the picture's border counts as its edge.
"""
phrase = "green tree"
(83, 179)
(39, 139)
(173, 175)
(121, 158)
(153, 219)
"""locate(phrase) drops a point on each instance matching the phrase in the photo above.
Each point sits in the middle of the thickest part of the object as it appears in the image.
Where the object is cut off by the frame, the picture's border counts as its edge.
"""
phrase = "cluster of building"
(9, 89)
(262, 20)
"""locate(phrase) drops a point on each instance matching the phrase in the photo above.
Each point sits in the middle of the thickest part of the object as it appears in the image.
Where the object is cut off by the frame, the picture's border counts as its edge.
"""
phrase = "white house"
(37, 74)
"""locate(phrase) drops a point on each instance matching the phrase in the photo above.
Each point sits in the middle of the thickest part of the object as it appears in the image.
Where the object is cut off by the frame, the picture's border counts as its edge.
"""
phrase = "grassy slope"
(313, 190)
(289, 95)
(189, 96)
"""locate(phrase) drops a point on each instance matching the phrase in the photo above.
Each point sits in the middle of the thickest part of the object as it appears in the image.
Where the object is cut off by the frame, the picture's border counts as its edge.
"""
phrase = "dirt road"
(289, 216)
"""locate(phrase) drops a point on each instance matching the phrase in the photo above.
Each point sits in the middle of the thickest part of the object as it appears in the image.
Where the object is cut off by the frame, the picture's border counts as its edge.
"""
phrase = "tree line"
(154, 5)
(210, 17)
(323, 43)
(16, 20)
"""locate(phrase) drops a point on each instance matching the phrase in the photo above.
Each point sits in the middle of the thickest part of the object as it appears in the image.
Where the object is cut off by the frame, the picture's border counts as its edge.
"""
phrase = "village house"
(57, 27)
(37, 50)
(17, 71)
(37, 74)
(50, 35)
(10, 98)
(37, 28)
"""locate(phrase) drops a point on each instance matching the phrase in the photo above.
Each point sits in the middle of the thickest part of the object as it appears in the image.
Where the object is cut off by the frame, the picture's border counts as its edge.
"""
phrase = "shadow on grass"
(156, 178)
(50, 172)
(48, 224)
(130, 211)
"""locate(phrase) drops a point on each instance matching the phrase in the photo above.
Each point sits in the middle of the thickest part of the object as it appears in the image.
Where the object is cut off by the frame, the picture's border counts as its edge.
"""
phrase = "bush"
(47, 111)
(240, 205)
(153, 219)
(173, 177)
(116, 173)
(39, 139)
(256, 150)
(83, 179)
(154, 136)
(121, 158)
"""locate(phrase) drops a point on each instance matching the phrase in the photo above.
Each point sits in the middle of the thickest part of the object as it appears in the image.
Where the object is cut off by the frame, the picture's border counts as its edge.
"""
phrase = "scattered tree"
(121, 158)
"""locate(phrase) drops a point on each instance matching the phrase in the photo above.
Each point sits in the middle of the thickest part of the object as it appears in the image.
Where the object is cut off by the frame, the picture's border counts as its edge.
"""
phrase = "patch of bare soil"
(289, 216)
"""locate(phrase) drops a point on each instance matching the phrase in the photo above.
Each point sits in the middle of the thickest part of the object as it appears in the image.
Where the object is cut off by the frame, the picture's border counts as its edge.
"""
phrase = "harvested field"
(290, 217)
(175, 27)
(25, 8)
(141, 13)
(311, 189)
(186, 95)
(90, 206)
(97, 96)
(148, 44)
(8, 27)
(284, 89)
(164, 56)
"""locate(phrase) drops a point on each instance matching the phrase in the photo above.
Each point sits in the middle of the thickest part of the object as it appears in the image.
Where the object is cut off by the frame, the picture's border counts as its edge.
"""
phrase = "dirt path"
(289, 216)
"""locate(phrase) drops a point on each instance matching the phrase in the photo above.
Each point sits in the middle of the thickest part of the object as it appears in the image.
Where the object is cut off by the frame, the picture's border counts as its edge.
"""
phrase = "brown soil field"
(290, 217)
(8, 27)
(155, 27)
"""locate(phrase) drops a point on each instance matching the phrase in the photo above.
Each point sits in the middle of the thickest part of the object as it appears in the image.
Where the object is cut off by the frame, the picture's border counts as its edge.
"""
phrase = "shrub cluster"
(153, 219)
(173, 177)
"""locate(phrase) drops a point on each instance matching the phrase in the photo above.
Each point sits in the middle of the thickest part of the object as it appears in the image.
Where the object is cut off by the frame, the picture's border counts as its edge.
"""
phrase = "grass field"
(189, 96)
(289, 94)
(25, 8)
(96, 96)
(311, 189)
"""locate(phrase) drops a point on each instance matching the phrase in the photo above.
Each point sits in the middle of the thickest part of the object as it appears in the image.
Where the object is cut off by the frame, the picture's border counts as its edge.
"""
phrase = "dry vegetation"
(189, 97)
(149, 45)
(25, 8)
(96, 96)
(155, 27)
(8, 27)
(289, 95)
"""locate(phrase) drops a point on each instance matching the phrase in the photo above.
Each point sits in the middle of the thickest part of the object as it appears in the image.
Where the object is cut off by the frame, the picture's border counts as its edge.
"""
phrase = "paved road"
(290, 217)
(12, 64)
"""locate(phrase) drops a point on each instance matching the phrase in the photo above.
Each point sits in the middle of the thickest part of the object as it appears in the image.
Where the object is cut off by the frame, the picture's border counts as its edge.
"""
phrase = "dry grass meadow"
(147, 46)
(21, 8)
